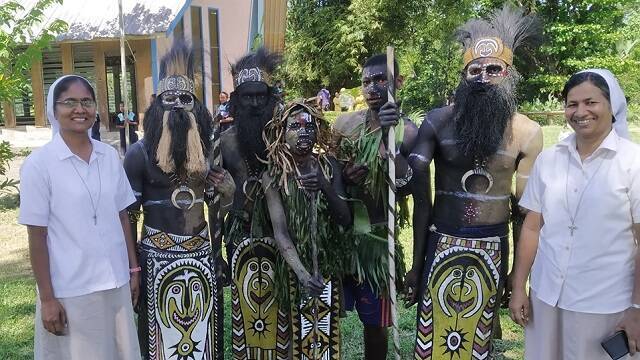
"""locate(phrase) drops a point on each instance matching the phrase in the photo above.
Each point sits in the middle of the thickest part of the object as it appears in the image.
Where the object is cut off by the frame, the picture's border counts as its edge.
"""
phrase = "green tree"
(579, 34)
(20, 46)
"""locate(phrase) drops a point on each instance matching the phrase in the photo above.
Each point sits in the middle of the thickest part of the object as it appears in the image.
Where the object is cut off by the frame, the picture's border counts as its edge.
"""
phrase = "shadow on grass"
(9, 201)
(15, 265)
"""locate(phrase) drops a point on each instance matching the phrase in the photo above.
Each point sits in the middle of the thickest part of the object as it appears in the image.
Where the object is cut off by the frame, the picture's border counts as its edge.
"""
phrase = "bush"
(551, 104)
(633, 114)
(6, 155)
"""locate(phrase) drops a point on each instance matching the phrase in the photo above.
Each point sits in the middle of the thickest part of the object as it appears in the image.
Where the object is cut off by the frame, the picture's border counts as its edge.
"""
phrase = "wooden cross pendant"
(572, 228)
(95, 219)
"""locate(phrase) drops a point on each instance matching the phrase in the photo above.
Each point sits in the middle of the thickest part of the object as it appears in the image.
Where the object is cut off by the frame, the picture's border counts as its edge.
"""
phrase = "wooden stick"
(314, 260)
(216, 208)
(391, 218)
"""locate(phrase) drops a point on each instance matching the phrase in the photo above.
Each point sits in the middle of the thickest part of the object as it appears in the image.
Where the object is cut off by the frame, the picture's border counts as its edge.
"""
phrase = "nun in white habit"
(578, 247)
(73, 199)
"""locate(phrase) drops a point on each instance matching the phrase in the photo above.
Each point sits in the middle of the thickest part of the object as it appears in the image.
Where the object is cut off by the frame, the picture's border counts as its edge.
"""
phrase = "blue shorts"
(373, 309)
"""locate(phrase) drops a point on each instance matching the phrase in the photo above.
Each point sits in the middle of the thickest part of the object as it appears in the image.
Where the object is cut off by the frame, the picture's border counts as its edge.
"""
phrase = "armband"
(405, 180)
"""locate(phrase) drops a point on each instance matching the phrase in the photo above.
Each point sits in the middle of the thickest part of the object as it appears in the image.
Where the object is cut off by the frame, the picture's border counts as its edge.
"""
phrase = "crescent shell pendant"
(247, 194)
(478, 172)
(183, 189)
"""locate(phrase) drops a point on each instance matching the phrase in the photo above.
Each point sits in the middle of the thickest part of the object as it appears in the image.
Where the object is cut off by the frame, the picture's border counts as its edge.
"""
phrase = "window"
(196, 40)
(83, 64)
(214, 53)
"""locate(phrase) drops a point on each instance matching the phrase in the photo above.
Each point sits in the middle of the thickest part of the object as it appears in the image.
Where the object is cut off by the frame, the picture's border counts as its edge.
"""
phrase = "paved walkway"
(26, 138)
(33, 137)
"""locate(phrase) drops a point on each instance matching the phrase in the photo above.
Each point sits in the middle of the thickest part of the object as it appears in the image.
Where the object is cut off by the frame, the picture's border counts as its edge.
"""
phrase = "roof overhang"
(98, 19)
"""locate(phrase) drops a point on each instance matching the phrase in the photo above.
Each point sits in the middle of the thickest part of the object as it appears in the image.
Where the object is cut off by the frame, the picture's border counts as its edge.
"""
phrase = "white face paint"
(177, 99)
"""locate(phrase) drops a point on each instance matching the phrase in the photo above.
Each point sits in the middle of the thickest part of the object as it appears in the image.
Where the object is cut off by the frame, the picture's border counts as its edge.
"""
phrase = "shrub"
(551, 104)
(6, 155)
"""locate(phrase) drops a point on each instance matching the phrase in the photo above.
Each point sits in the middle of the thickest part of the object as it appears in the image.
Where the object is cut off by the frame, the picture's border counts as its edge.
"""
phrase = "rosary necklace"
(95, 204)
(572, 218)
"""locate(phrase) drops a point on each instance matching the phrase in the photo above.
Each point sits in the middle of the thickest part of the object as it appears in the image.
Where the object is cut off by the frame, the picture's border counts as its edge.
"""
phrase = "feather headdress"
(498, 36)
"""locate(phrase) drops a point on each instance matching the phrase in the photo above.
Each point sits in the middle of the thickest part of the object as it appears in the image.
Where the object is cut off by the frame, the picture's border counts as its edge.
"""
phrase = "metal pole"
(123, 79)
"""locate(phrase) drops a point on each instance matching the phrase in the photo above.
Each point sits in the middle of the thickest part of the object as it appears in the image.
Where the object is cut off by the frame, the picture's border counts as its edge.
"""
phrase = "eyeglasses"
(70, 104)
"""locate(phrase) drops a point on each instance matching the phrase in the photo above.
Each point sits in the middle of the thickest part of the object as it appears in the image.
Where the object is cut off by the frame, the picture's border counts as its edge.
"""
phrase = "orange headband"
(490, 47)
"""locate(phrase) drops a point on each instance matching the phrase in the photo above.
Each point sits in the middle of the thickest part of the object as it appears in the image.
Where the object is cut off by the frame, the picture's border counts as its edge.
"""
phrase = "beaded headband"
(176, 82)
(251, 75)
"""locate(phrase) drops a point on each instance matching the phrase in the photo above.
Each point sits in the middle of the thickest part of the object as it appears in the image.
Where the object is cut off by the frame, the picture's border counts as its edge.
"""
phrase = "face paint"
(486, 70)
(374, 85)
(177, 99)
(300, 135)
(253, 95)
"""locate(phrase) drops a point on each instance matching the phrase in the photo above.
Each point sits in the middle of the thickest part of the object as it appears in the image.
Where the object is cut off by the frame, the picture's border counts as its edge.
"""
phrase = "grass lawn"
(17, 294)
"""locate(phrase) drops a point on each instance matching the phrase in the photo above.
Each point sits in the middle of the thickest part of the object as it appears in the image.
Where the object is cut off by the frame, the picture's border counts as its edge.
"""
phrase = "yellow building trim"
(37, 84)
(101, 83)
(66, 52)
(9, 114)
(275, 22)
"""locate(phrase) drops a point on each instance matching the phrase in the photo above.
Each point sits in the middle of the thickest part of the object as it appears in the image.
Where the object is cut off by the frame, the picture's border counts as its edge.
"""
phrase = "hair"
(381, 59)
(279, 155)
(224, 92)
(262, 59)
(579, 78)
(178, 61)
(65, 83)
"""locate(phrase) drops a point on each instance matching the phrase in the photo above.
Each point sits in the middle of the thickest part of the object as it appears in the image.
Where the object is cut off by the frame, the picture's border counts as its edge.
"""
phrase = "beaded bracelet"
(135, 270)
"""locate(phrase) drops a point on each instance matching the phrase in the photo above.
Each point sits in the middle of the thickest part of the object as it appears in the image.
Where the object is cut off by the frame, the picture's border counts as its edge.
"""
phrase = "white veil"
(618, 102)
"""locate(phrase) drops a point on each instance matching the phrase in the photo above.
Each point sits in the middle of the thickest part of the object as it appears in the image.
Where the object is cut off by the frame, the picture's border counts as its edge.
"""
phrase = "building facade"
(221, 31)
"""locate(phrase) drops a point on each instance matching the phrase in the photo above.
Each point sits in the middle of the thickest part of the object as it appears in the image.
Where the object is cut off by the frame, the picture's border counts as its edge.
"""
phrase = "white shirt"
(84, 256)
(591, 271)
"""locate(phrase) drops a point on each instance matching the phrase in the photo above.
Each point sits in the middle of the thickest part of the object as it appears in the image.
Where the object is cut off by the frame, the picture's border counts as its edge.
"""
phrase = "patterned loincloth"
(326, 336)
(461, 293)
(260, 326)
(181, 308)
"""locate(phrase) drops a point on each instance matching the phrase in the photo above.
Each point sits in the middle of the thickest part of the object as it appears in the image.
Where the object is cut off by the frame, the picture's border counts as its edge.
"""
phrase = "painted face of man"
(177, 99)
(301, 133)
(375, 85)
(253, 95)
(486, 71)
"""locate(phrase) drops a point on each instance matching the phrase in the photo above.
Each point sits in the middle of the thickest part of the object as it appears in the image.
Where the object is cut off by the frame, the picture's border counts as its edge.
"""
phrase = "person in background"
(322, 98)
(579, 240)
(95, 129)
(346, 100)
(73, 199)
(222, 113)
(336, 102)
(133, 125)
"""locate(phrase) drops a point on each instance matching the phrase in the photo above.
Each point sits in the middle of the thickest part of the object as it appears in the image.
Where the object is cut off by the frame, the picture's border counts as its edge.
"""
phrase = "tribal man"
(361, 142)
(477, 145)
(305, 197)
(260, 324)
(181, 311)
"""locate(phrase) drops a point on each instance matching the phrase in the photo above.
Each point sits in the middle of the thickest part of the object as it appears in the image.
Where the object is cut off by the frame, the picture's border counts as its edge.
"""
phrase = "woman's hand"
(519, 306)
(54, 318)
(134, 283)
(630, 323)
